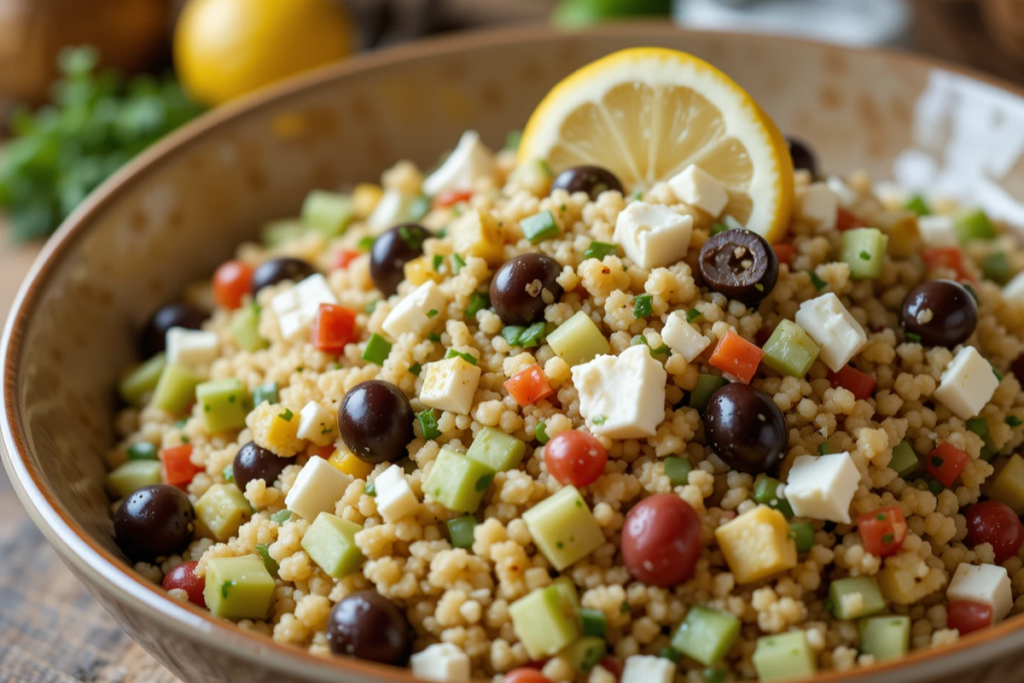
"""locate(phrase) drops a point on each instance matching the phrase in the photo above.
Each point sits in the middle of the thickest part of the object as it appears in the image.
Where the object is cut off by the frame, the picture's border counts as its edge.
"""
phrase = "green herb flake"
(936, 461)
(436, 262)
(225, 588)
(434, 337)
(512, 333)
(532, 336)
(819, 284)
(718, 227)
(599, 250)
(457, 263)
(625, 608)
(1013, 420)
(371, 307)
(287, 415)
(270, 563)
(468, 357)
(370, 489)
(914, 337)
(692, 315)
(377, 349)
(643, 305)
(600, 420)
(432, 313)
(229, 474)
(864, 256)
(478, 301)
(428, 424)
(281, 516)
(413, 238)
(365, 244)
(888, 538)
(541, 433)
(415, 369)
(823, 448)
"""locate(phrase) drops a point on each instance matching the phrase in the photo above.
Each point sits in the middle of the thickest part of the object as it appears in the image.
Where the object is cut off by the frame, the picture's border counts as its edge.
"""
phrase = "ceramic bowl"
(178, 211)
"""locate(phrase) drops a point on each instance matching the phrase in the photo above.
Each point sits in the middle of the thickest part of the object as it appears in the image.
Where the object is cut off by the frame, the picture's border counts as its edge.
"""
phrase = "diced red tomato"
(184, 577)
(334, 328)
(946, 462)
(575, 458)
(784, 253)
(883, 530)
(526, 676)
(948, 257)
(613, 665)
(967, 616)
(324, 452)
(860, 384)
(346, 256)
(231, 282)
(447, 198)
(736, 356)
(529, 386)
(178, 469)
(847, 220)
(763, 335)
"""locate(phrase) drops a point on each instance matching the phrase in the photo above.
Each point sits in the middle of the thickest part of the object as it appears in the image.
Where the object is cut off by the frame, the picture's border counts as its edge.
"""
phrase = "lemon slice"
(647, 113)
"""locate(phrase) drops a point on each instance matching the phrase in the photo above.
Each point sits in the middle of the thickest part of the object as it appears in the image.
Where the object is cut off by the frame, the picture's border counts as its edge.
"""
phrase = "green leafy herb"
(819, 284)
(432, 313)
(1013, 421)
(864, 256)
(512, 333)
(428, 424)
(599, 250)
(978, 425)
(142, 451)
(270, 563)
(281, 516)
(512, 140)
(377, 349)
(600, 420)
(913, 336)
(642, 305)
(370, 489)
(532, 335)
(434, 337)
(413, 238)
(478, 301)
(692, 315)
(625, 607)
(229, 474)
(225, 588)
(457, 263)
(541, 432)
(468, 357)
(371, 307)
(416, 369)
(365, 244)
(436, 262)
(287, 415)
(718, 227)
(888, 538)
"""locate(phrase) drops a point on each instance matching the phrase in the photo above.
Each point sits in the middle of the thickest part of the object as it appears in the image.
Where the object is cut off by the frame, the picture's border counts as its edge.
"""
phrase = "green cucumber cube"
(766, 493)
(863, 249)
(457, 482)
(578, 340)
(142, 380)
(885, 637)
(594, 622)
(569, 592)
(133, 475)
(803, 535)
(244, 329)
(918, 205)
(701, 394)
(706, 635)
(539, 227)
(544, 621)
(585, 653)
(176, 389)
(223, 402)
(238, 588)
(790, 350)
(904, 460)
(563, 528)
(784, 656)
(677, 470)
(461, 531)
(266, 392)
(497, 450)
(328, 212)
(997, 267)
(856, 597)
(222, 509)
(973, 224)
(143, 450)
(276, 233)
(330, 541)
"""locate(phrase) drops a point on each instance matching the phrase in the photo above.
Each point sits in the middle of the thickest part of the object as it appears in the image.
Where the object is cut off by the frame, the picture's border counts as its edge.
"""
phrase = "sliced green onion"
(643, 305)
(377, 349)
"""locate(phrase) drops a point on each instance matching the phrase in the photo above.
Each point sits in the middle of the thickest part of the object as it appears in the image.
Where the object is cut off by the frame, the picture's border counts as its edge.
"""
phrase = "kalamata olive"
(997, 524)
(590, 179)
(661, 540)
(153, 339)
(278, 270)
(375, 421)
(183, 577)
(524, 286)
(739, 264)
(803, 157)
(939, 313)
(255, 462)
(745, 428)
(366, 625)
(391, 251)
(155, 521)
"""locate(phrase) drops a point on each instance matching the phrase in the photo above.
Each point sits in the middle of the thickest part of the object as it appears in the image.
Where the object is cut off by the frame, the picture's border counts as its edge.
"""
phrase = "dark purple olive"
(391, 251)
(155, 521)
(740, 264)
(255, 462)
(939, 313)
(590, 179)
(745, 428)
(803, 157)
(366, 625)
(524, 286)
(278, 270)
(153, 339)
(375, 421)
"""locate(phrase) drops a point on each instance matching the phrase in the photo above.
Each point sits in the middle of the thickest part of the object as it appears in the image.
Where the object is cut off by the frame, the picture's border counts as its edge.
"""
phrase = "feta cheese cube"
(653, 235)
(833, 329)
(393, 208)
(297, 307)
(844, 193)
(395, 499)
(622, 397)
(449, 384)
(648, 669)
(938, 231)
(967, 384)
(317, 424)
(1014, 289)
(417, 313)
(823, 487)
(697, 188)
(470, 160)
(818, 205)
(988, 584)
(441, 662)
(191, 348)
(318, 488)
(683, 338)
(757, 544)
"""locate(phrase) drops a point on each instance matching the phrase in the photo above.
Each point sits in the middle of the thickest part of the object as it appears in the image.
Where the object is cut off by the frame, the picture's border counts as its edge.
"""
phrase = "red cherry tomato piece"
(859, 384)
(184, 577)
(784, 253)
(613, 665)
(946, 462)
(333, 329)
(661, 540)
(575, 458)
(528, 386)
(737, 356)
(883, 530)
(346, 256)
(178, 469)
(994, 522)
(526, 676)
(847, 220)
(231, 282)
(447, 198)
(967, 617)
(948, 257)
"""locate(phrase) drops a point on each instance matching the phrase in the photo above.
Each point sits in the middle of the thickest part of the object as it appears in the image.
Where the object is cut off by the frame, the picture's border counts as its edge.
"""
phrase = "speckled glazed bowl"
(180, 210)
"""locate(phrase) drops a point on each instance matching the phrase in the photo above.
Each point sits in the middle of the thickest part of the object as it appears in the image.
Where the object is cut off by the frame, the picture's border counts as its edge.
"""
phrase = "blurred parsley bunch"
(97, 122)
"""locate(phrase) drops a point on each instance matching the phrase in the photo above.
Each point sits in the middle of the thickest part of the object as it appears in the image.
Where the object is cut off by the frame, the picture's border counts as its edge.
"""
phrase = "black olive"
(255, 462)
(366, 625)
(375, 421)
(278, 270)
(524, 286)
(803, 157)
(153, 339)
(155, 521)
(745, 428)
(590, 179)
(939, 313)
(739, 264)
(391, 251)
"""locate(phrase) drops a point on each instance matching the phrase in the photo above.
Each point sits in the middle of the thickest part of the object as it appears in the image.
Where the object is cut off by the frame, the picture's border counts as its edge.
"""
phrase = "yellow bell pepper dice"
(757, 544)
(348, 463)
(1007, 485)
(476, 233)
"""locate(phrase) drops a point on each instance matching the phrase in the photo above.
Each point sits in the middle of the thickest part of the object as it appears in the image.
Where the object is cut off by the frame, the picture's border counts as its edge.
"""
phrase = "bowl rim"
(118, 580)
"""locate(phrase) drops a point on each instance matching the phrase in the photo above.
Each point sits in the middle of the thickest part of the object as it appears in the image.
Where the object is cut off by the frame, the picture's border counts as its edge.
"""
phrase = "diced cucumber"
(265, 392)
(569, 592)
(461, 530)
(280, 232)
(539, 227)
(885, 637)
(784, 656)
(594, 622)
(457, 482)
(701, 394)
(328, 212)
(330, 542)
(142, 380)
(176, 389)
(997, 267)
(544, 621)
(973, 224)
(863, 249)
(578, 340)
(706, 635)
(803, 536)
(677, 470)
(1007, 485)
(766, 493)
(790, 350)
(904, 460)
(222, 509)
(223, 402)
(133, 475)
(244, 329)
(238, 587)
(918, 205)
(497, 450)
(563, 528)
(856, 597)
(584, 654)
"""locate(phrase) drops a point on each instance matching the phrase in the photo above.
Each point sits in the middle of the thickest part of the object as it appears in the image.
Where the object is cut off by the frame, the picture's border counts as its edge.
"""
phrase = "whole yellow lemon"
(227, 48)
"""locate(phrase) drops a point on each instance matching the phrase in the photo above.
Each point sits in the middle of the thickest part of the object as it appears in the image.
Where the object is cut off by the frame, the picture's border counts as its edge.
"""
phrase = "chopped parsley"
(371, 307)
(541, 432)
(432, 313)
(468, 357)
(225, 588)
(457, 263)
(478, 301)
(287, 415)
(428, 424)
(281, 516)
(1013, 421)
(436, 262)
(819, 284)
(415, 369)
(434, 337)
(413, 238)
(888, 538)
(692, 315)
(643, 305)
(229, 474)
(864, 256)
(914, 337)
(365, 244)
(270, 563)
(370, 489)
(599, 250)
(532, 335)
(600, 420)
